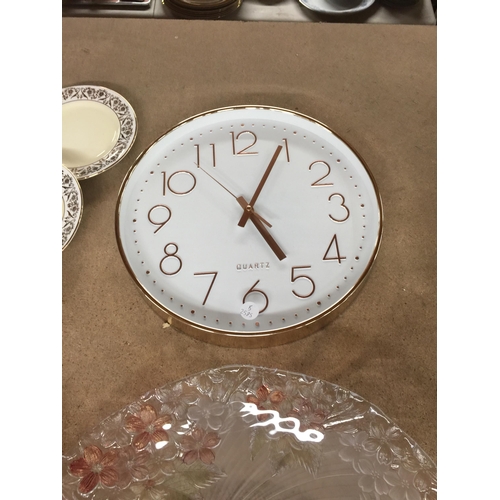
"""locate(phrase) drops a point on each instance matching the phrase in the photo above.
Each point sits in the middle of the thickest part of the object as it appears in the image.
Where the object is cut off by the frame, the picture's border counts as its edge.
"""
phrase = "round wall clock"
(249, 226)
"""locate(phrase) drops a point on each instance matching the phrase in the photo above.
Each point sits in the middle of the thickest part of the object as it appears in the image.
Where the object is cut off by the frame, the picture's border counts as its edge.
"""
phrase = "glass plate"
(337, 6)
(72, 206)
(248, 433)
(99, 127)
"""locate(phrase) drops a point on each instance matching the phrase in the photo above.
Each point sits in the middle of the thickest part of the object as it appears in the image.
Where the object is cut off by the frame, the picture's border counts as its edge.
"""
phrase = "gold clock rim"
(264, 337)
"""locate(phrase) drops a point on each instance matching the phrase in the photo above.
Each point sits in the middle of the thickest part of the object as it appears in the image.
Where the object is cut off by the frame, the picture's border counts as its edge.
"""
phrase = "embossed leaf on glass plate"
(286, 453)
(189, 479)
(258, 440)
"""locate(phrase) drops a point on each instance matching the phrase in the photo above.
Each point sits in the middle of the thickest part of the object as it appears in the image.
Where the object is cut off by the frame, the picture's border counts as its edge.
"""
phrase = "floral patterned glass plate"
(248, 433)
(99, 127)
(72, 206)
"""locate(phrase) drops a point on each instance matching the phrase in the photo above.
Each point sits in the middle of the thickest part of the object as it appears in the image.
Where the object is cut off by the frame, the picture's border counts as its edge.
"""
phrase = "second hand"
(241, 201)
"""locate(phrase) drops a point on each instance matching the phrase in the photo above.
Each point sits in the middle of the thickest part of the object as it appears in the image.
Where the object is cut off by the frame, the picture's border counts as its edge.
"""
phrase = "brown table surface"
(375, 85)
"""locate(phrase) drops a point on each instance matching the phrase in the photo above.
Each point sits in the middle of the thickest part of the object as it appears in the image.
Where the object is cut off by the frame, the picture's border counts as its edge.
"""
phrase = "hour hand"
(265, 234)
(245, 206)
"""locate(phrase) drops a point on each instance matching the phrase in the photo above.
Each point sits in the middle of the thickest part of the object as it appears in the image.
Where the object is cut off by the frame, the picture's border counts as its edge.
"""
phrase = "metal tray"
(109, 3)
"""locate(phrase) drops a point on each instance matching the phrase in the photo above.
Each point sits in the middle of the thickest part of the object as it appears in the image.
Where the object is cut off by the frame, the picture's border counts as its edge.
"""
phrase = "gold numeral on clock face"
(318, 182)
(197, 146)
(247, 143)
(337, 257)
(175, 260)
(214, 273)
(343, 205)
(295, 277)
(176, 185)
(159, 209)
(255, 290)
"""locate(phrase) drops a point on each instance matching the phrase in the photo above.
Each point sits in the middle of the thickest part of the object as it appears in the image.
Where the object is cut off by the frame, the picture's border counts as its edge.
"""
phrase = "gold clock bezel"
(262, 338)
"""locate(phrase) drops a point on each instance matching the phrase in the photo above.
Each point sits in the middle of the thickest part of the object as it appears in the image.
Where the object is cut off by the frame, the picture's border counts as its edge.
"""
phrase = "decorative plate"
(338, 7)
(248, 433)
(72, 206)
(99, 127)
(199, 9)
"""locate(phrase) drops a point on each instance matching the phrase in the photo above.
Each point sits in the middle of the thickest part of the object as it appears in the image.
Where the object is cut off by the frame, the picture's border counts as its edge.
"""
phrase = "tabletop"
(375, 85)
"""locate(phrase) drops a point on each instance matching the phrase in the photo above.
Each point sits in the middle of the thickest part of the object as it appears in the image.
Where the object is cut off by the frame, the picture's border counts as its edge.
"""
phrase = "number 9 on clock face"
(249, 226)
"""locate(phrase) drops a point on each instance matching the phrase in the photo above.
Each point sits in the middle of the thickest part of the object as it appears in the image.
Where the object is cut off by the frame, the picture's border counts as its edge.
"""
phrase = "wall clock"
(249, 226)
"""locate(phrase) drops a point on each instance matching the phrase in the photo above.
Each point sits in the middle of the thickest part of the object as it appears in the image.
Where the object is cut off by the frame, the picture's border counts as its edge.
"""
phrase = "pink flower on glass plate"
(147, 427)
(95, 467)
(264, 399)
(259, 397)
(198, 445)
(308, 417)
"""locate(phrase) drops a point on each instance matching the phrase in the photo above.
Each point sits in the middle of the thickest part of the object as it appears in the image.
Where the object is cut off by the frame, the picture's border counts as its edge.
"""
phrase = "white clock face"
(249, 221)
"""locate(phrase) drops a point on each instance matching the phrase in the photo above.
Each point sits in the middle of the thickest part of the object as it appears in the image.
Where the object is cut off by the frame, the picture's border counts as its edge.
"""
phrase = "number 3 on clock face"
(249, 225)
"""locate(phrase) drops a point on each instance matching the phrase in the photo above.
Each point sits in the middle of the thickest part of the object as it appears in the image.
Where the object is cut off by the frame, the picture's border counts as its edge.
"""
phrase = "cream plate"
(99, 127)
(72, 206)
(248, 433)
(339, 7)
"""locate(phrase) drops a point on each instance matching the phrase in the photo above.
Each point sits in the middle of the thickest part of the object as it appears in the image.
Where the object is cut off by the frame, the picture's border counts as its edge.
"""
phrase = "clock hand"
(255, 218)
(243, 203)
(245, 215)
(265, 234)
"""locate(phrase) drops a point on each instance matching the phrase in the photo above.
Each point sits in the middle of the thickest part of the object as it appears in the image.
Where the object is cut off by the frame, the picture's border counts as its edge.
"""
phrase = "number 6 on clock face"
(249, 209)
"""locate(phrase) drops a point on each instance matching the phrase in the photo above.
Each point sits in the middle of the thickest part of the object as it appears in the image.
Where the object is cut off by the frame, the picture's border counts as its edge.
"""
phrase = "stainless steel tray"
(108, 3)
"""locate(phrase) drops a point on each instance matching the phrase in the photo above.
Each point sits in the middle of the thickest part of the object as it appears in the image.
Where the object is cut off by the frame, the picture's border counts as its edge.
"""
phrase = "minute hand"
(267, 237)
(249, 208)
